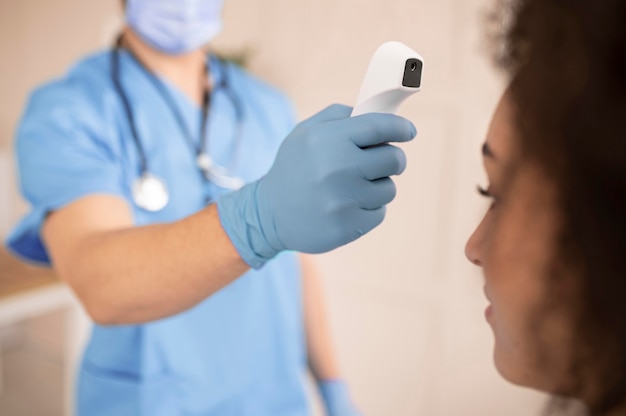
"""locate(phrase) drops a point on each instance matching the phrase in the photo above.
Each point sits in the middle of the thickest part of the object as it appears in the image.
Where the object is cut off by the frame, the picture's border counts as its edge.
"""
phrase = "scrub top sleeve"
(287, 109)
(64, 152)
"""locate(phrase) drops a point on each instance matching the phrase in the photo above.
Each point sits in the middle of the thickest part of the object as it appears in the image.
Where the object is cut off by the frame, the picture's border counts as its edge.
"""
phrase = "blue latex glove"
(327, 187)
(336, 398)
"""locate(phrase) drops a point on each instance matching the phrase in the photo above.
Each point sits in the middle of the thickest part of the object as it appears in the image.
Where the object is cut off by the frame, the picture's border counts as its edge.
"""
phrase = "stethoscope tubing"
(201, 149)
(128, 110)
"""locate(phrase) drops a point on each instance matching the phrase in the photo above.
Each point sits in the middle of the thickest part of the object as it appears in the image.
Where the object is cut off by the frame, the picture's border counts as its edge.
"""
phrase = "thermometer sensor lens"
(413, 73)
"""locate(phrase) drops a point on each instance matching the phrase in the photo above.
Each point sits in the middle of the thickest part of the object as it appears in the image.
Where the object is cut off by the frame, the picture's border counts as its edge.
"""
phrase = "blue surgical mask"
(175, 26)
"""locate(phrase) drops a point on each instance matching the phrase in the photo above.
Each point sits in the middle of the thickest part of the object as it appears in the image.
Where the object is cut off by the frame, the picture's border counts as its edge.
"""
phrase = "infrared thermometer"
(393, 75)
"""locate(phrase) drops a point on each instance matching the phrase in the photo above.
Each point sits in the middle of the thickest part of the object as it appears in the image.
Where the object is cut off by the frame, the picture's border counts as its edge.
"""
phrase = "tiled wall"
(407, 308)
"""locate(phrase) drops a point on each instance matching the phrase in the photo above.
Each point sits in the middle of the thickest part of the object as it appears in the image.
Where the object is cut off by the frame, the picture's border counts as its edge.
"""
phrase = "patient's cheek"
(518, 265)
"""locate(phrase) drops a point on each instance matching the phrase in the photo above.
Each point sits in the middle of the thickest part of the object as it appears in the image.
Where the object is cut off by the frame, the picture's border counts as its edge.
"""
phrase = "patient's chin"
(514, 369)
(526, 371)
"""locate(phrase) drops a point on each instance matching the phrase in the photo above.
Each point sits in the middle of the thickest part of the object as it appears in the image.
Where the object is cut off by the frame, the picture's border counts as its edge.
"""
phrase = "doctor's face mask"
(175, 26)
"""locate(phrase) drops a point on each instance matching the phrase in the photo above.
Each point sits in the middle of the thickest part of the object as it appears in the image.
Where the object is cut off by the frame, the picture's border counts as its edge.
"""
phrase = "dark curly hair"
(567, 63)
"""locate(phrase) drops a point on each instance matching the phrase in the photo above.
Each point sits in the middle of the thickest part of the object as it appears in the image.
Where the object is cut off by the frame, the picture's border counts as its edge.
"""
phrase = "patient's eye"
(487, 193)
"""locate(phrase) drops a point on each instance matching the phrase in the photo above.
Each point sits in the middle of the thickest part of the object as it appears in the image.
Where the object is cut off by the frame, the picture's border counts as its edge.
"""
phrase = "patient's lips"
(489, 309)
(489, 312)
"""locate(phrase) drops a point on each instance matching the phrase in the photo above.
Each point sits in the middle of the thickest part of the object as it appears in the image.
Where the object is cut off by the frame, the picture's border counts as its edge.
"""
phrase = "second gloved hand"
(336, 398)
(328, 186)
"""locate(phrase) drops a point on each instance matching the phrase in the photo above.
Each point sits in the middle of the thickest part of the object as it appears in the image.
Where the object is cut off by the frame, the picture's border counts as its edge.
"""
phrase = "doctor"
(170, 191)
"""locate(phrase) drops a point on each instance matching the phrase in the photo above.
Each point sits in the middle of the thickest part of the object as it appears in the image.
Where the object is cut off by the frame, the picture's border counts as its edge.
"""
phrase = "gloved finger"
(362, 223)
(376, 194)
(330, 113)
(382, 161)
(371, 219)
(376, 128)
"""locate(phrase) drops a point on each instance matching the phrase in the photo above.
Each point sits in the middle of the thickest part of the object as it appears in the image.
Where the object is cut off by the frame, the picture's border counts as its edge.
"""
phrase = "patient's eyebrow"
(487, 152)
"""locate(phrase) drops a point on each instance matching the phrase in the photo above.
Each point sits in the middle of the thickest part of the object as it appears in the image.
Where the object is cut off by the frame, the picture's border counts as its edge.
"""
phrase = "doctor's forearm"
(140, 274)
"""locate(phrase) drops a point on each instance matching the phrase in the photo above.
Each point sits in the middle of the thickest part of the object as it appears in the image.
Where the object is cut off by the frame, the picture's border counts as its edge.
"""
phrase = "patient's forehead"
(500, 137)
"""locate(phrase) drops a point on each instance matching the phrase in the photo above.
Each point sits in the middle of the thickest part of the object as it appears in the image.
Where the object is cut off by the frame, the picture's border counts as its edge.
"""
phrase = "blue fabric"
(175, 26)
(240, 352)
(336, 398)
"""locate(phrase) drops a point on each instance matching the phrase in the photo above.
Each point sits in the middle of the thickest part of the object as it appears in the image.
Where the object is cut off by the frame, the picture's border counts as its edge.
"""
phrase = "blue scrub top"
(241, 351)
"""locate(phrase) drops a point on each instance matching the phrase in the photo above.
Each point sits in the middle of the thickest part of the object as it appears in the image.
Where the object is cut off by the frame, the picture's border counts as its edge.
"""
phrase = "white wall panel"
(407, 307)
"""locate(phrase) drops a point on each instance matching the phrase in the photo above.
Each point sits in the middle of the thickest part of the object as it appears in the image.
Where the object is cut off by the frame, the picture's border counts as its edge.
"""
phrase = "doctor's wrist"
(242, 214)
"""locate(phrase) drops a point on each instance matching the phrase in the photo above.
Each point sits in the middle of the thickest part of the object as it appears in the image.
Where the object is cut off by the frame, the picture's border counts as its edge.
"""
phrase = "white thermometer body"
(393, 75)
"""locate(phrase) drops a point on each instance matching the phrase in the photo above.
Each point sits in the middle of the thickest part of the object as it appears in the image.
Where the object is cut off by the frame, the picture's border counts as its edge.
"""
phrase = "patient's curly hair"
(567, 63)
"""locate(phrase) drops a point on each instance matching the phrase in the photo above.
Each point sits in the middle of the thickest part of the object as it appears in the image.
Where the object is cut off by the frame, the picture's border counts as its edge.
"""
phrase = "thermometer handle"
(385, 102)
(393, 75)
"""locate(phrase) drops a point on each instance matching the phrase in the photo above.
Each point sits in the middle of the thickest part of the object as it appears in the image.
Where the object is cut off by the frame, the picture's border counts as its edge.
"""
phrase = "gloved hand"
(328, 186)
(336, 398)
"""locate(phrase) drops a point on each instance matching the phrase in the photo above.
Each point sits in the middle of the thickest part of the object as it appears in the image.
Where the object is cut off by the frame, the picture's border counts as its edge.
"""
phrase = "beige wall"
(39, 39)
(407, 309)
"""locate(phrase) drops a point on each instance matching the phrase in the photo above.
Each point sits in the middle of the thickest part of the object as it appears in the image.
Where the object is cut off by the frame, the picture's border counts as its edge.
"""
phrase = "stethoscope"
(149, 191)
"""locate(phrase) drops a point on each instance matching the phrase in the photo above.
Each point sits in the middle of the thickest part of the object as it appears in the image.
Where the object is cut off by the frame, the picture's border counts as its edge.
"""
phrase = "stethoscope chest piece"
(150, 193)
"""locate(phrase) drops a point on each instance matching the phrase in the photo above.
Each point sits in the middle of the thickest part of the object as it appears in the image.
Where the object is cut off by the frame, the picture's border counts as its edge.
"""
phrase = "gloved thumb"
(330, 113)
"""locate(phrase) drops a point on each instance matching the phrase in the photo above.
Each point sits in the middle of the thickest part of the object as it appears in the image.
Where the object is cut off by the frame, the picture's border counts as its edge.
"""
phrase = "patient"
(552, 245)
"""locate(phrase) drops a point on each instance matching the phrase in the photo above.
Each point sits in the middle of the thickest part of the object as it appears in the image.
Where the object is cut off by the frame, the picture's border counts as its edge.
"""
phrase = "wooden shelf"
(17, 277)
